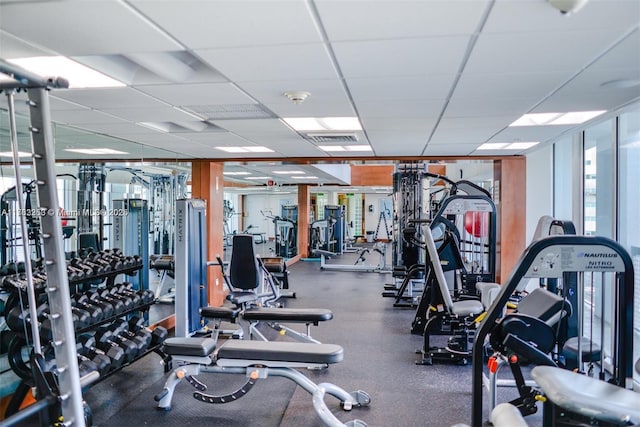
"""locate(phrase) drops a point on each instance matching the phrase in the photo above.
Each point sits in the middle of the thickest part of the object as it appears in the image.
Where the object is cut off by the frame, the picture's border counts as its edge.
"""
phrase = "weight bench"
(257, 360)
(587, 397)
(272, 317)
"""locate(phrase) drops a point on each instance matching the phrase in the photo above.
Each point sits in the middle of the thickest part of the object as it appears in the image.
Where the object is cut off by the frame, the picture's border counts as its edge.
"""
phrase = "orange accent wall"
(372, 175)
(304, 207)
(208, 184)
(509, 177)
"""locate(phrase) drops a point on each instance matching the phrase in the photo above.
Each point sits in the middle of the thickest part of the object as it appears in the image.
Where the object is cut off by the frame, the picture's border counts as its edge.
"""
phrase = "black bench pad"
(199, 347)
(280, 351)
(308, 315)
(240, 297)
(219, 312)
(590, 350)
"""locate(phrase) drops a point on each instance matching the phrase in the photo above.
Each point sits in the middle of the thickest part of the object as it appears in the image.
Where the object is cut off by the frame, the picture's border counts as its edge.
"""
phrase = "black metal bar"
(29, 411)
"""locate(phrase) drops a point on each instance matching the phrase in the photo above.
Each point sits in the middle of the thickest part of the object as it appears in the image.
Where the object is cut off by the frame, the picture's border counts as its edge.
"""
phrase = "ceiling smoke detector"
(297, 96)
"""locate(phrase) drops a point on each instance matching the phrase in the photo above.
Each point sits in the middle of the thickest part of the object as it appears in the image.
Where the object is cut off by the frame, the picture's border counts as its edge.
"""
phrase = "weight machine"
(190, 265)
(130, 234)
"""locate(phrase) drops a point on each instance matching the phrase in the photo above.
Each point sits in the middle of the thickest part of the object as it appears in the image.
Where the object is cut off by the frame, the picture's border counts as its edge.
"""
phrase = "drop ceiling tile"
(161, 114)
(481, 107)
(119, 129)
(405, 143)
(462, 136)
(509, 85)
(524, 53)
(398, 124)
(359, 20)
(531, 133)
(400, 109)
(625, 54)
(400, 88)
(12, 47)
(405, 57)
(272, 92)
(83, 27)
(533, 16)
(164, 140)
(314, 108)
(198, 94)
(79, 117)
(262, 126)
(453, 122)
(214, 139)
(449, 149)
(296, 62)
(108, 98)
(210, 24)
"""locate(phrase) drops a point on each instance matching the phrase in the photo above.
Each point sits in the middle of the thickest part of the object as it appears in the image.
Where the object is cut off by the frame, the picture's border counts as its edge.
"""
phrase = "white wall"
(539, 187)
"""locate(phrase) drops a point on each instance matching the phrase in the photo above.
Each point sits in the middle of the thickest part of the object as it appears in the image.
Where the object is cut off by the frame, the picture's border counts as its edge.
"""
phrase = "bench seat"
(280, 351)
(300, 315)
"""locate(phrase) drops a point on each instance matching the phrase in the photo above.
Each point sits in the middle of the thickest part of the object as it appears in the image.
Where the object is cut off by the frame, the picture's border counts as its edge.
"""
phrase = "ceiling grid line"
(463, 64)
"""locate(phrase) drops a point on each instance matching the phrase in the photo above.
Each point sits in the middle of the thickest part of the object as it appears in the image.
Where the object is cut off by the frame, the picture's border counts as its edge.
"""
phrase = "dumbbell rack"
(17, 286)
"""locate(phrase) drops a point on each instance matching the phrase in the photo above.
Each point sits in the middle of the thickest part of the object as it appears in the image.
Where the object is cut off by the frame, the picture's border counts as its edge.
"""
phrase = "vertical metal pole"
(602, 323)
(31, 295)
(64, 342)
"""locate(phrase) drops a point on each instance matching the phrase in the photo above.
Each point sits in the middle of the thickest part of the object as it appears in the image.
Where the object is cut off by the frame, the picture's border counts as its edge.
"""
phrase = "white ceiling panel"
(80, 117)
(524, 53)
(337, 108)
(481, 107)
(296, 62)
(198, 94)
(398, 124)
(12, 47)
(463, 136)
(400, 88)
(161, 114)
(403, 109)
(272, 92)
(216, 139)
(405, 57)
(625, 54)
(451, 122)
(119, 129)
(530, 133)
(83, 27)
(359, 20)
(266, 126)
(496, 85)
(408, 143)
(108, 98)
(534, 16)
(449, 150)
(173, 142)
(212, 23)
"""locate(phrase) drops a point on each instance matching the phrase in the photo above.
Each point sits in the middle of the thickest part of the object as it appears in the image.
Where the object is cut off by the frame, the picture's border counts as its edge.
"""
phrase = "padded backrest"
(89, 241)
(434, 261)
(244, 270)
(544, 305)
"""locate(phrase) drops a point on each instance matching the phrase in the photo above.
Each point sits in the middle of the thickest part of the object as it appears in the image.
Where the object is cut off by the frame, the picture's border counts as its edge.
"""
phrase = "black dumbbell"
(104, 261)
(158, 334)
(79, 264)
(117, 304)
(107, 295)
(94, 310)
(18, 317)
(105, 339)
(86, 365)
(101, 362)
(140, 336)
(147, 295)
(105, 306)
(120, 292)
(139, 297)
(74, 274)
(87, 344)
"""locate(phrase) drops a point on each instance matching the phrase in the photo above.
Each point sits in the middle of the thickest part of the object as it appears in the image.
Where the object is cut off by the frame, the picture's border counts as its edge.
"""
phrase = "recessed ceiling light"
(492, 146)
(250, 149)
(621, 83)
(324, 123)
(236, 173)
(521, 145)
(94, 151)
(358, 148)
(289, 172)
(544, 119)
(258, 177)
(304, 177)
(331, 147)
(10, 154)
(78, 75)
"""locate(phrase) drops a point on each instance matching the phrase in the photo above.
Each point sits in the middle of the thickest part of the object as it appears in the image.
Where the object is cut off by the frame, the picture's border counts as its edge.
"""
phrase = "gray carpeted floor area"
(379, 358)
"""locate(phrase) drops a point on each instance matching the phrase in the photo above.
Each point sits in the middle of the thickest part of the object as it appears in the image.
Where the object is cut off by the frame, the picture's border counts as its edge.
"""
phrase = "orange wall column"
(207, 183)
(304, 206)
(510, 182)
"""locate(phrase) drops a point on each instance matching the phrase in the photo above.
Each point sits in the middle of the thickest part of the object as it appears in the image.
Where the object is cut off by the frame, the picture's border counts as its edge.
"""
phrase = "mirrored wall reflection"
(102, 206)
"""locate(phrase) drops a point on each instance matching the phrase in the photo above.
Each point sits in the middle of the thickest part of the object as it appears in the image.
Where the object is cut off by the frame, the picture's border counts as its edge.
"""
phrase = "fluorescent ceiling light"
(289, 172)
(324, 123)
(94, 151)
(78, 75)
(160, 127)
(304, 177)
(492, 146)
(544, 119)
(10, 154)
(250, 149)
(236, 173)
(330, 148)
(258, 177)
(521, 145)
